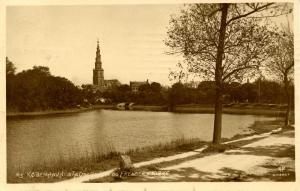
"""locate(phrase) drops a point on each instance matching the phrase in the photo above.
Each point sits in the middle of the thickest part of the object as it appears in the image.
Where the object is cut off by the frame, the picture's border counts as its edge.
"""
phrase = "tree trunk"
(218, 77)
(218, 118)
(288, 109)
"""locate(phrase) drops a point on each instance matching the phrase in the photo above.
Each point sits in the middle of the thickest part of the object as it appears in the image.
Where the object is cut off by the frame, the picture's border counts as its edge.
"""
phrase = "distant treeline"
(262, 91)
(36, 89)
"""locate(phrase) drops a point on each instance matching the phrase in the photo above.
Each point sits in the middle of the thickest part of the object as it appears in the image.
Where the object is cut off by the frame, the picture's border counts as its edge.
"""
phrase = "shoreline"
(240, 110)
(54, 112)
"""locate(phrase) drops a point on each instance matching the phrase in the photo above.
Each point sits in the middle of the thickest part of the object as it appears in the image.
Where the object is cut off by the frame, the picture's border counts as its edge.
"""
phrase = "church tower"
(98, 72)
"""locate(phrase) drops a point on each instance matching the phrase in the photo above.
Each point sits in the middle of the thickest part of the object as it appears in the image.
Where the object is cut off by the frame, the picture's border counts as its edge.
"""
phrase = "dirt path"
(268, 159)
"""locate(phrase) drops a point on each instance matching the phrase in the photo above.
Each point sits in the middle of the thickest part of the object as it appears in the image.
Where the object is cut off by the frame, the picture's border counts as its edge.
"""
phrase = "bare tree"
(223, 42)
(281, 63)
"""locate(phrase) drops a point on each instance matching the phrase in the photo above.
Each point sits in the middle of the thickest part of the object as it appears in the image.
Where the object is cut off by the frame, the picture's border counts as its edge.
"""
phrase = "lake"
(33, 140)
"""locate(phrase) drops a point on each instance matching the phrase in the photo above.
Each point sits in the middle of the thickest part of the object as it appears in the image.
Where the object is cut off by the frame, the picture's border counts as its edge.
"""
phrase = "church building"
(99, 82)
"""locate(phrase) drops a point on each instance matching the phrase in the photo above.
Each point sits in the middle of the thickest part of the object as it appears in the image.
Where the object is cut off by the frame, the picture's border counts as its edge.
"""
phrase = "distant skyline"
(64, 38)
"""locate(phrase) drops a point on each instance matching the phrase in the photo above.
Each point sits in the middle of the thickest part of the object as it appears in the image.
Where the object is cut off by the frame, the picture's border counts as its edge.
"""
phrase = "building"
(135, 85)
(109, 84)
(192, 84)
(99, 83)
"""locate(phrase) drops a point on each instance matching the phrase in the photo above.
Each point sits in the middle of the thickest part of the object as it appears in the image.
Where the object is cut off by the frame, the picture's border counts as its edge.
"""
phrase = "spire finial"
(98, 47)
(97, 42)
(98, 55)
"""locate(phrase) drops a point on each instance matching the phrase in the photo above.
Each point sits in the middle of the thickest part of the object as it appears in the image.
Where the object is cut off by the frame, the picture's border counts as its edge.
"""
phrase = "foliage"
(10, 68)
(263, 91)
(37, 89)
(281, 63)
(194, 34)
(281, 56)
(148, 94)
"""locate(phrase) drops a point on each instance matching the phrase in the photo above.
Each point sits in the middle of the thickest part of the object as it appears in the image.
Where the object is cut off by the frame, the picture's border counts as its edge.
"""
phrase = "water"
(34, 139)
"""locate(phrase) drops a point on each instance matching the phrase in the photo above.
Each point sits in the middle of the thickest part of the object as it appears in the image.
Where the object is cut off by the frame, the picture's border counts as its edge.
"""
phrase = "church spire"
(98, 72)
(98, 63)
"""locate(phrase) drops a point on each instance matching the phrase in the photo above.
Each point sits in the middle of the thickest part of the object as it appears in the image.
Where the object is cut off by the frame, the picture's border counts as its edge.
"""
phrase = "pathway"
(270, 158)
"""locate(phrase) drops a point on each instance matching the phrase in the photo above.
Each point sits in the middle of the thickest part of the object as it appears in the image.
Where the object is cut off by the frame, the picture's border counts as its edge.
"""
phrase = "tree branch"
(236, 70)
(249, 13)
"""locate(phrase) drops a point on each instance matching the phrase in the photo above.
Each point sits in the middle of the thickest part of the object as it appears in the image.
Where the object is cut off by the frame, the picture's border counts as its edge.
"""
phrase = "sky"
(64, 38)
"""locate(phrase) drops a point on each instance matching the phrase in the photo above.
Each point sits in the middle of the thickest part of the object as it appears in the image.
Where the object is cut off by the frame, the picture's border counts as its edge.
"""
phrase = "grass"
(96, 162)
(232, 110)
(235, 108)
(11, 114)
(212, 148)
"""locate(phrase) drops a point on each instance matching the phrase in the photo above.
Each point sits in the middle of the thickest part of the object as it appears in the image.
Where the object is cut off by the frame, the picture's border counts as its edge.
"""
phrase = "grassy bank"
(242, 108)
(53, 112)
(149, 108)
(97, 162)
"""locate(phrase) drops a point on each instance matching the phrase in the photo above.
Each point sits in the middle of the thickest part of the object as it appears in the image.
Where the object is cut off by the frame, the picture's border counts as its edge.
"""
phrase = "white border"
(205, 186)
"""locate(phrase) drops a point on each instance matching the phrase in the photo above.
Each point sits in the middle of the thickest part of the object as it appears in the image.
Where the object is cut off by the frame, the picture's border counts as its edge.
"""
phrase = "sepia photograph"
(150, 93)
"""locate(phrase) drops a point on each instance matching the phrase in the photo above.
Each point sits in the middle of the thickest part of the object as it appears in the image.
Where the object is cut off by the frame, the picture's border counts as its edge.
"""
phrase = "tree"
(124, 88)
(150, 94)
(281, 64)
(10, 68)
(222, 42)
(268, 91)
(10, 82)
(176, 95)
(155, 87)
(37, 89)
(208, 91)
